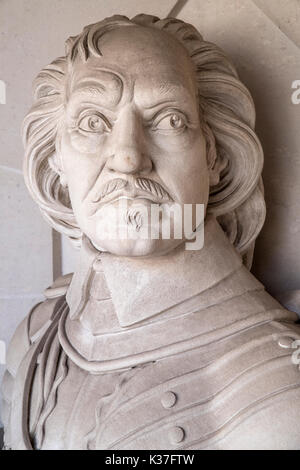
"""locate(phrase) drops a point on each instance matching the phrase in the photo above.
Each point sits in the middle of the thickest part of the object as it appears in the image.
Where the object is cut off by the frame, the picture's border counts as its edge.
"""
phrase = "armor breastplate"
(211, 369)
(197, 399)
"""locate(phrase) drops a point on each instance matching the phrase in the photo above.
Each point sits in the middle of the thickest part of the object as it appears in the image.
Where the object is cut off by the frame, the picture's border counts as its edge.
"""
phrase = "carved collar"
(128, 311)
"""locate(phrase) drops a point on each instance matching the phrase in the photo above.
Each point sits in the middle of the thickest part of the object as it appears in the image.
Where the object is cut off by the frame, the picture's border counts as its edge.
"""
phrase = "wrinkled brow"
(97, 83)
(110, 95)
(168, 88)
(168, 92)
(92, 87)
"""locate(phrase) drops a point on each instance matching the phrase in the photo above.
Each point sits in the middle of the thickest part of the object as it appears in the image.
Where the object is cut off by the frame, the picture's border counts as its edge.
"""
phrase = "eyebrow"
(96, 87)
(167, 87)
(168, 92)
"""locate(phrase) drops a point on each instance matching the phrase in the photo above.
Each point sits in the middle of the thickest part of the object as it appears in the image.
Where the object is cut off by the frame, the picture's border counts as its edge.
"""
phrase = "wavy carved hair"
(228, 117)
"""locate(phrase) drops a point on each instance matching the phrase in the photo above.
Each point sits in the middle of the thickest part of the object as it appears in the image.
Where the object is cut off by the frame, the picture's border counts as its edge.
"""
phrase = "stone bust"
(149, 345)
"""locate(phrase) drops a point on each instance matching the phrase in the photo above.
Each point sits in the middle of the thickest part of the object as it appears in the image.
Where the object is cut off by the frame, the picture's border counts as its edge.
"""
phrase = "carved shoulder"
(17, 349)
(28, 332)
(42, 315)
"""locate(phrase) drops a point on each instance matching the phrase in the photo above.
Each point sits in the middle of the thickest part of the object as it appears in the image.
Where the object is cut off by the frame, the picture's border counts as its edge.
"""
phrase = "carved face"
(132, 133)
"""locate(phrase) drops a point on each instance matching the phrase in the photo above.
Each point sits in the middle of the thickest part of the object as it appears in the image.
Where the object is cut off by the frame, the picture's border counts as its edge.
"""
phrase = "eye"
(171, 122)
(94, 123)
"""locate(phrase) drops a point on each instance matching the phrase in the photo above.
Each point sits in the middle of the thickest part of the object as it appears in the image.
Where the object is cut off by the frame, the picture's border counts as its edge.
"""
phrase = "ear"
(215, 165)
(55, 164)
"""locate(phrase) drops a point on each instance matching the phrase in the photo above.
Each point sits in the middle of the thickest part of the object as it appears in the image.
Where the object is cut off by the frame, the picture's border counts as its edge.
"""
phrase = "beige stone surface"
(25, 253)
(265, 51)
(69, 256)
(217, 382)
(33, 33)
(12, 310)
(262, 37)
(25, 239)
(150, 344)
(285, 14)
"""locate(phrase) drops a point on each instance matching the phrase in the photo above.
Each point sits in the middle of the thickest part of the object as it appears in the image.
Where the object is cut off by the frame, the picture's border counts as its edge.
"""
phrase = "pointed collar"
(143, 287)
(122, 310)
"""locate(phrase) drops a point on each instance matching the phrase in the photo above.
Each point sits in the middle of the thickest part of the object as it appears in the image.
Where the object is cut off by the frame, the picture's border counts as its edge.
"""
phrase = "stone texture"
(222, 376)
(285, 14)
(268, 61)
(32, 34)
(226, 369)
(291, 300)
(25, 239)
(70, 256)
(25, 254)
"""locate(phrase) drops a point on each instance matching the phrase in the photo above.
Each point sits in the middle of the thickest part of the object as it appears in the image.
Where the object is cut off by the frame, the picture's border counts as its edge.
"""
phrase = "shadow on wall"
(1, 438)
(275, 236)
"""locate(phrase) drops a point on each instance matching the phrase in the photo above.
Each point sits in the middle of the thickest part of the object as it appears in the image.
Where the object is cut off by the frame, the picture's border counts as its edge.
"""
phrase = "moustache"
(144, 184)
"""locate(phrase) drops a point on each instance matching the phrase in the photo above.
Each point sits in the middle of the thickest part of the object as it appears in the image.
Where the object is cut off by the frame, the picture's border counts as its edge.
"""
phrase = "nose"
(129, 153)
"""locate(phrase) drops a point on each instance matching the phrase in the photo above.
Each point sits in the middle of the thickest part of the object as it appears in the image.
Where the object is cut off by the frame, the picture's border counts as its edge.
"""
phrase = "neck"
(141, 288)
(122, 310)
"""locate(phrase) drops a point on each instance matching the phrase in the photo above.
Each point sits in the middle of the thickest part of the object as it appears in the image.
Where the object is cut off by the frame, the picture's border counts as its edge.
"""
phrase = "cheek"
(80, 165)
(86, 144)
(182, 166)
(193, 180)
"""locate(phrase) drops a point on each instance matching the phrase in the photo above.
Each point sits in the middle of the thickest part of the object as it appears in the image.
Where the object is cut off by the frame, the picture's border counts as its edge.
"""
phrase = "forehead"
(137, 60)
